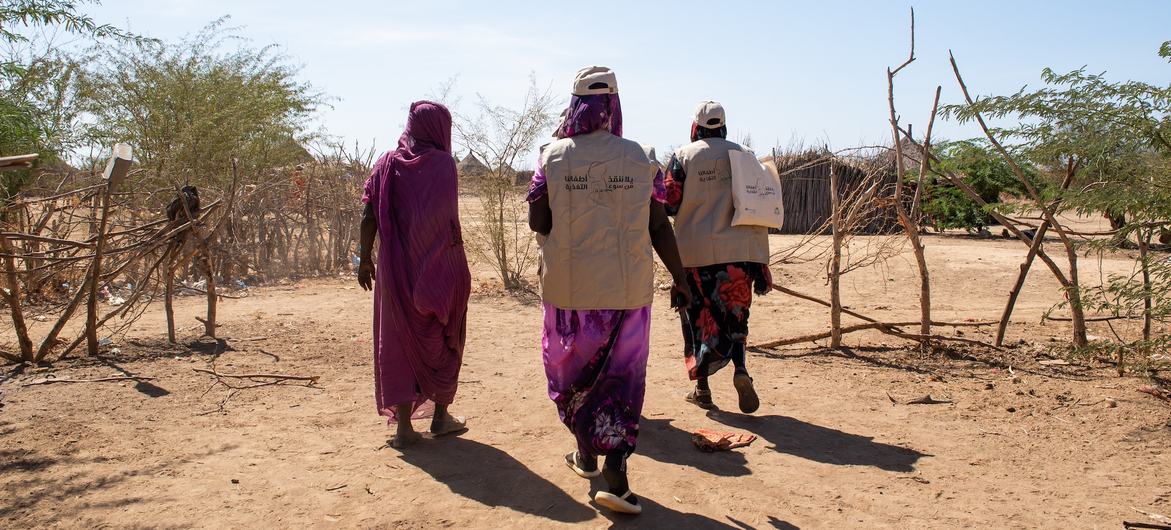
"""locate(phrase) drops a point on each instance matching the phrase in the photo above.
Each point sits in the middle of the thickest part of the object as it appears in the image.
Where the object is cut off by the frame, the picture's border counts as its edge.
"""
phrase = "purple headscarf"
(585, 115)
(428, 127)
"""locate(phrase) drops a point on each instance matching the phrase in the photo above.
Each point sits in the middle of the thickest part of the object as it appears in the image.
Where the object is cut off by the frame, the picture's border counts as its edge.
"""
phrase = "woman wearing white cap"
(723, 263)
(597, 199)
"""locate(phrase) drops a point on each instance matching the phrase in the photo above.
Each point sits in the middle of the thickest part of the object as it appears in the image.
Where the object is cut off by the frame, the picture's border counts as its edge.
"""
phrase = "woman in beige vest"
(596, 197)
(723, 263)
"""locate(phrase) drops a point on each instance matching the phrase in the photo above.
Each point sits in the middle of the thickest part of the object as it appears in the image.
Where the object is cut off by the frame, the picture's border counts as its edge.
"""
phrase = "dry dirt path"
(1045, 451)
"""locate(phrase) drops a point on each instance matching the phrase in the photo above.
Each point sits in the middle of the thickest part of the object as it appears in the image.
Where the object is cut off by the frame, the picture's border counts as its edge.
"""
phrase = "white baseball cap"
(710, 115)
(595, 80)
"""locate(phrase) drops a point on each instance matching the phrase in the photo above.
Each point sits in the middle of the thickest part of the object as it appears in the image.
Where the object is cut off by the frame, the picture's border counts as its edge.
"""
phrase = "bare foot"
(448, 424)
(404, 440)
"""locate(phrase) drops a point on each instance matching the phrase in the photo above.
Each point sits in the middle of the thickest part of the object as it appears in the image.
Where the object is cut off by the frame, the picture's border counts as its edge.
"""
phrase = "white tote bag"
(756, 192)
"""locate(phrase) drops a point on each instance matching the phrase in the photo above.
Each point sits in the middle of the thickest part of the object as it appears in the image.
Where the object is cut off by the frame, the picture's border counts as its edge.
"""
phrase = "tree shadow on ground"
(144, 387)
(43, 490)
(821, 444)
(781, 525)
(772, 521)
(661, 441)
(491, 477)
(849, 353)
(12, 374)
(947, 360)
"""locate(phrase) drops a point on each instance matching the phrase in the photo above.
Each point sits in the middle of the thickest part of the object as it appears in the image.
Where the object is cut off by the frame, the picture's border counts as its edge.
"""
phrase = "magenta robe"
(422, 281)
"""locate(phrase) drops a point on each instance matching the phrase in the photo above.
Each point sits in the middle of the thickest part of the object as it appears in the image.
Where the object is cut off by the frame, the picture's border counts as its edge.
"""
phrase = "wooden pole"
(1144, 249)
(209, 324)
(835, 295)
(909, 220)
(1072, 284)
(169, 297)
(1015, 292)
(95, 273)
(12, 296)
(1034, 247)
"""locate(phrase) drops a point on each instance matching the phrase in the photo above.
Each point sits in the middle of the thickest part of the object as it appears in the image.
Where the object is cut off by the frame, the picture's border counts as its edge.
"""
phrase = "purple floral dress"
(595, 361)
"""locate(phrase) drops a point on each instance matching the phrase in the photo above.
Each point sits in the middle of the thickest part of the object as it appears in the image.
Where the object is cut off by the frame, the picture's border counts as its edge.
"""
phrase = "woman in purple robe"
(422, 283)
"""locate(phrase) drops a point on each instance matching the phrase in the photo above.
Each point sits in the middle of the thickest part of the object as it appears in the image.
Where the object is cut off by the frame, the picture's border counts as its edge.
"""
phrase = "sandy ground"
(1037, 447)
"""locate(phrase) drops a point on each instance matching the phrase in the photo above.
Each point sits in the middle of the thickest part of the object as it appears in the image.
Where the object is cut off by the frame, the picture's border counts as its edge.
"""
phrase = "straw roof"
(471, 165)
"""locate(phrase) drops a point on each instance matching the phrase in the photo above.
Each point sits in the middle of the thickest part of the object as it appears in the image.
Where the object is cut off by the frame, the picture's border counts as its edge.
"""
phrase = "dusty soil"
(1034, 446)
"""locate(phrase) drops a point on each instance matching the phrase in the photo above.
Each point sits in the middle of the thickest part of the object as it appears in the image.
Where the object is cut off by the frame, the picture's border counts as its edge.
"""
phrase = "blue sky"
(808, 72)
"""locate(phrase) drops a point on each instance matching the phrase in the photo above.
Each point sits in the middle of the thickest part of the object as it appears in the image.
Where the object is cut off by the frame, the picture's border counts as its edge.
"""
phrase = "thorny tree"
(500, 137)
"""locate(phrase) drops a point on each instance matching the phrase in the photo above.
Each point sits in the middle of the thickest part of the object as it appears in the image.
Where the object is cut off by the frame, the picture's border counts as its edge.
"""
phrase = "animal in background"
(190, 197)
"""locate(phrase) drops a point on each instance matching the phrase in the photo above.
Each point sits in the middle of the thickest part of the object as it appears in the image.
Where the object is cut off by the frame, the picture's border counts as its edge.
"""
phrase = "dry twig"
(52, 380)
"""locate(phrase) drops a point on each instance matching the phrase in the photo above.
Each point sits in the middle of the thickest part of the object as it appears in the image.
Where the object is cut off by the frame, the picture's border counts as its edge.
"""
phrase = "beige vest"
(598, 255)
(703, 226)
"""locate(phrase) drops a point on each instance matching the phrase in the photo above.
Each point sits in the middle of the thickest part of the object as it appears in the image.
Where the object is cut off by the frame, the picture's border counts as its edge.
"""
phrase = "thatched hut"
(471, 166)
(805, 190)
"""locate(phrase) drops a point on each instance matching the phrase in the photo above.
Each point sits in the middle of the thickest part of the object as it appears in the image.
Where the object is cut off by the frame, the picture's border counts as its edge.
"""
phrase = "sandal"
(571, 461)
(701, 399)
(749, 401)
(402, 442)
(451, 426)
(619, 504)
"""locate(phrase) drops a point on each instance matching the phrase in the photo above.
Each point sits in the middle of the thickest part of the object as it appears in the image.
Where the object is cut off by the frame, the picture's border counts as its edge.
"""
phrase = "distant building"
(471, 166)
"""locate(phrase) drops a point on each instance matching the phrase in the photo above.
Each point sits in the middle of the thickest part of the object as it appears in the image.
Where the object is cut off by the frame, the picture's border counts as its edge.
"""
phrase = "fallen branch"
(889, 328)
(1094, 319)
(1157, 517)
(257, 380)
(282, 377)
(860, 316)
(818, 301)
(204, 292)
(822, 336)
(266, 352)
(49, 381)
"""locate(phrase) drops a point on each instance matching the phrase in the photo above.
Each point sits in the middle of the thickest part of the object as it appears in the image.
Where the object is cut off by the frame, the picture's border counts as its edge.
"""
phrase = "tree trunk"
(95, 274)
(1144, 248)
(835, 312)
(314, 261)
(209, 324)
(13, 296)
(50, 340)
(909, 220)
(1076, 310)
(169, 297)
(924, 283)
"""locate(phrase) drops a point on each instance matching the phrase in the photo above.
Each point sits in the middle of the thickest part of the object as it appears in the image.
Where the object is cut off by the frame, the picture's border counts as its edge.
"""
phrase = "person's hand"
(680, 295)
(366, 274)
